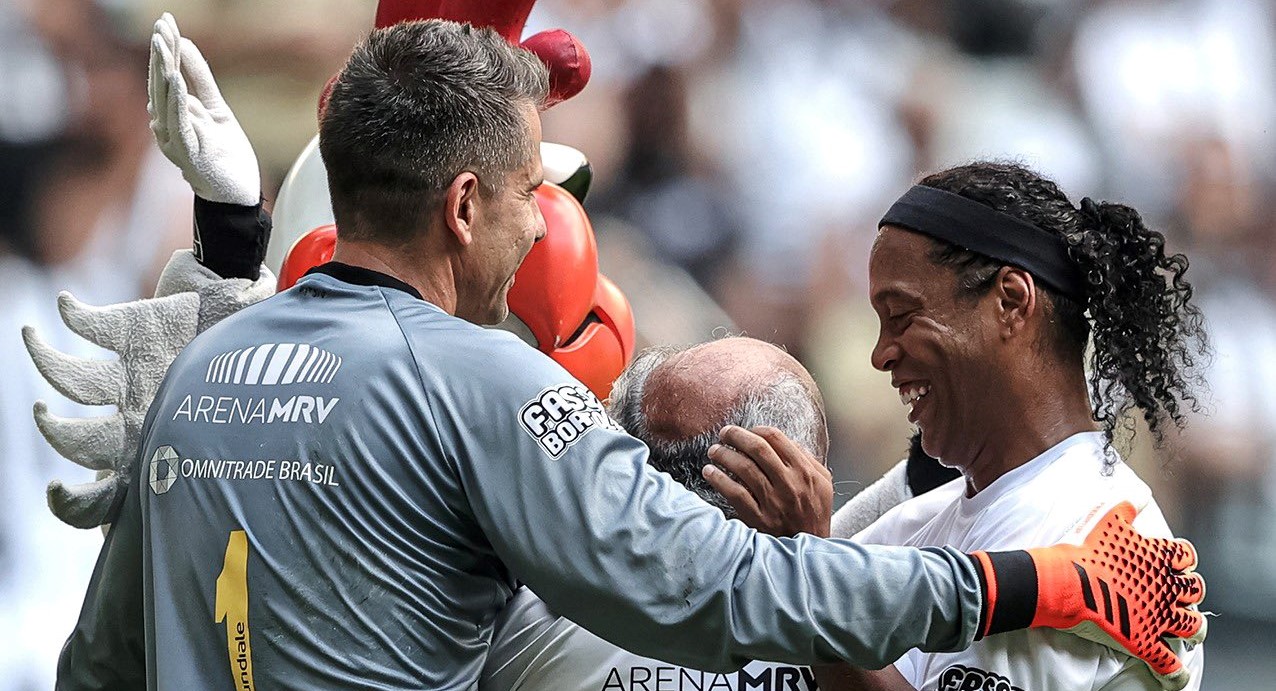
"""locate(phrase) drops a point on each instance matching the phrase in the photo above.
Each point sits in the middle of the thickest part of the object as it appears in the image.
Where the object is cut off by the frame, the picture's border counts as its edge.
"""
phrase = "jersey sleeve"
(568, 502)
(1060, 506)
(107, 648)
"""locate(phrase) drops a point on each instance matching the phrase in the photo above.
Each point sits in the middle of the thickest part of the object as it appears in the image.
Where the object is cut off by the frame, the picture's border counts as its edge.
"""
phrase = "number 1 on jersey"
(231, 605)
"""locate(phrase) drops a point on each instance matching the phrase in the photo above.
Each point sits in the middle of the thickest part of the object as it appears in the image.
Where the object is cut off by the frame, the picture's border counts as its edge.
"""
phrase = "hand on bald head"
(677, 400)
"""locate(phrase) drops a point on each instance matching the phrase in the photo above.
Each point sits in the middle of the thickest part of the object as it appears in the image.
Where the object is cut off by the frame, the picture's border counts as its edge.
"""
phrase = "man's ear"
(460, 206)
(1016, 294)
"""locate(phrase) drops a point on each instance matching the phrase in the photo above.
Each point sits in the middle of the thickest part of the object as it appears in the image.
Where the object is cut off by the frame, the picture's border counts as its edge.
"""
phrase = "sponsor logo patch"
(167, 465)
(163, 469)
(271, 364)
(561, 415)
(224, 410)
(963, 678)
(265, 365)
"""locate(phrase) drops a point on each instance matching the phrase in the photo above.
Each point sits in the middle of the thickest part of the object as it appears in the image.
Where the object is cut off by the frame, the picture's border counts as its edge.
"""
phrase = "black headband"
(984, 230)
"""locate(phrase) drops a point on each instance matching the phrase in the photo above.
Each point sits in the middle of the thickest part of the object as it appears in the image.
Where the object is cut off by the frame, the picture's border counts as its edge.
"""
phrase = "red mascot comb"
(566, 58)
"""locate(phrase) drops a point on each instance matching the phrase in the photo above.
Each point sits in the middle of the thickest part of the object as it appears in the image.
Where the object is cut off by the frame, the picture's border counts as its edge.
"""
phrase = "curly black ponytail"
(1145, 332)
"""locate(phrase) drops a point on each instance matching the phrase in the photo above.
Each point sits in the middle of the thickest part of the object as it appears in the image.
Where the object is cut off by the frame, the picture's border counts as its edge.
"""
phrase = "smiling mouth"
(910, 394)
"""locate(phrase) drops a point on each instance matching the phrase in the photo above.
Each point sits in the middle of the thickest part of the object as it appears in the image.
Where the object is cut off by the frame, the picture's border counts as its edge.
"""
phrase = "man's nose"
(885, 354)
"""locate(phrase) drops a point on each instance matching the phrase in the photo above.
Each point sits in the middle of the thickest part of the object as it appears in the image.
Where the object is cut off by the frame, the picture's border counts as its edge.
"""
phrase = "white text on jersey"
(224, 410)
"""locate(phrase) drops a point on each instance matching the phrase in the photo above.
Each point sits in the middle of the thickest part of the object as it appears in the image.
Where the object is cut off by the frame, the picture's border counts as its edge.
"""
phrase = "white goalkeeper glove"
(193, 126)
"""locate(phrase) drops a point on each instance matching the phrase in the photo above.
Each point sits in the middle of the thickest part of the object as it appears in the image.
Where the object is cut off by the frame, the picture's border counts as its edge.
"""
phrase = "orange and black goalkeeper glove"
(1116, 588)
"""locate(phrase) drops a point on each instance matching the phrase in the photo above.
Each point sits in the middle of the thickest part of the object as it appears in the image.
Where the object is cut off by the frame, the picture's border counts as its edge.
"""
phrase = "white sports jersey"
(534, 649)
(1056, 497)
(906, 518)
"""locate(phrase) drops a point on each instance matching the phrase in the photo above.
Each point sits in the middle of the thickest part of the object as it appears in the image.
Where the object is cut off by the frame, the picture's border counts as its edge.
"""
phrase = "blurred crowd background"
(743, 151)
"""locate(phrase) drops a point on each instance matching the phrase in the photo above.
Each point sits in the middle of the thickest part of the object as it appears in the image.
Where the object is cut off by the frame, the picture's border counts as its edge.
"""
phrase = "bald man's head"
(676, 399)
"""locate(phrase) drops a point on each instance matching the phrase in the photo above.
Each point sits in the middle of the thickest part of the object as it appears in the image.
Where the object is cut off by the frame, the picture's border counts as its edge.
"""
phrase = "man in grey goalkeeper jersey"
(342, 485)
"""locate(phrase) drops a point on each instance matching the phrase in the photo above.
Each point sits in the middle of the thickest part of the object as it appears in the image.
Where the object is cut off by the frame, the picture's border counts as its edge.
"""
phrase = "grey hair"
(783, 401)
(417, 104)
(625, 402)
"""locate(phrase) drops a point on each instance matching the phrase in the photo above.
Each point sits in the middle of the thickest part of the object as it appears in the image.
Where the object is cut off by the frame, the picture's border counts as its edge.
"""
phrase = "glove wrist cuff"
(231, 239)
(1010, 590)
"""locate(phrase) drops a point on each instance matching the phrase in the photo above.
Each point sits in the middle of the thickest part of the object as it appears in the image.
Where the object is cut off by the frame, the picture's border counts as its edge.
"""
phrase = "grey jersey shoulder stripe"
(331, 372)
(310, 363)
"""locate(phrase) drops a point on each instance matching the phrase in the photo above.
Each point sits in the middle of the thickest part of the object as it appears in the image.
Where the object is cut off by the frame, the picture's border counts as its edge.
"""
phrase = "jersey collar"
(363, 276)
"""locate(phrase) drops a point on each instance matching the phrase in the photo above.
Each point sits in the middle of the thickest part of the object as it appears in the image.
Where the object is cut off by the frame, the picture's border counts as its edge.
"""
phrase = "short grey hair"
(417, 104)
(782, 401)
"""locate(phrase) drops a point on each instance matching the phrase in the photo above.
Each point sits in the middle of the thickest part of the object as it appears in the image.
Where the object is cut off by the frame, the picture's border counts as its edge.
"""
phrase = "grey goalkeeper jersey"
(341, 486)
